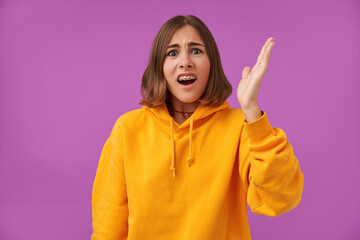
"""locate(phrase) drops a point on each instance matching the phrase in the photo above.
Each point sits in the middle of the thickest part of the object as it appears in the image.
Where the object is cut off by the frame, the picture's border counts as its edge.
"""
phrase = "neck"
(177, 106)
(183, 107)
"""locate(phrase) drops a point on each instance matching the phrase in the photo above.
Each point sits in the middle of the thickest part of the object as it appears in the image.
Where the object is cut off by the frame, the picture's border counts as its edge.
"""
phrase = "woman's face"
(186, 66)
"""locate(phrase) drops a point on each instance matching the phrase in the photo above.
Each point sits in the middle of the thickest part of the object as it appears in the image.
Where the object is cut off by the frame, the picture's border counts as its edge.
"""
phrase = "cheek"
(205, 69)
(165, 68)
(168, 69)
(205, 64)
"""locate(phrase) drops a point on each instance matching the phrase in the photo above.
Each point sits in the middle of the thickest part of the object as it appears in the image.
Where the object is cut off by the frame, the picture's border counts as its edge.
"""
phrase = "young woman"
(185, 165)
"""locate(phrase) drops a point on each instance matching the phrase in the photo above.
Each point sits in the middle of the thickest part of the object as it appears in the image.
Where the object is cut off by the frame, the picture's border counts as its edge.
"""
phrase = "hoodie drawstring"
(172, 168)
(190, 158)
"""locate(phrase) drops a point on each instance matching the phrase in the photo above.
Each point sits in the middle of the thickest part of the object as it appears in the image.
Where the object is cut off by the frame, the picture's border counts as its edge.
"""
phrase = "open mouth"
(186, 80)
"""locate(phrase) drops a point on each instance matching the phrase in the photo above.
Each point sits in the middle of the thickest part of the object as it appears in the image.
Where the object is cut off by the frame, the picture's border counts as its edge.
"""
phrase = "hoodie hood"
(161, 113)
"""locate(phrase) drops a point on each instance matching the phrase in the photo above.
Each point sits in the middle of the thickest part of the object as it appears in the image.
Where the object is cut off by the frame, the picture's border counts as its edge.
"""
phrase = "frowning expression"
(186, 66)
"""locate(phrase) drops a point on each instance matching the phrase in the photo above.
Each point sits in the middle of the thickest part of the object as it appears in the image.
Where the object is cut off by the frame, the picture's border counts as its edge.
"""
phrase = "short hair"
(153, 87)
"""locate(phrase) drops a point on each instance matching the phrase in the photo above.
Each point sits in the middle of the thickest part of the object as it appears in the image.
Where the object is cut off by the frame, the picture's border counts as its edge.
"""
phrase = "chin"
(188, 99)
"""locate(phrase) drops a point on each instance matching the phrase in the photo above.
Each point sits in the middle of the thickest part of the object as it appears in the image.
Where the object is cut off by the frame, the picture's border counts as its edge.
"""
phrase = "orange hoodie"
(157, 179)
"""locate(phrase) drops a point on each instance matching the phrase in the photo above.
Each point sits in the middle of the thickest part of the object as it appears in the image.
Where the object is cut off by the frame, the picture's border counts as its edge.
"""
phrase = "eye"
(196, 51)
(172, 53)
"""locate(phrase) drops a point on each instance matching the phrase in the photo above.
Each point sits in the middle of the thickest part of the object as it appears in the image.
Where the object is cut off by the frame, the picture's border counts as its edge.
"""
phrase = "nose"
(186, 61)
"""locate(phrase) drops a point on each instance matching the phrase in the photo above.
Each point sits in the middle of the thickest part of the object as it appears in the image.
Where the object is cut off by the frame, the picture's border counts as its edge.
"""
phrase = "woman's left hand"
(249, 85)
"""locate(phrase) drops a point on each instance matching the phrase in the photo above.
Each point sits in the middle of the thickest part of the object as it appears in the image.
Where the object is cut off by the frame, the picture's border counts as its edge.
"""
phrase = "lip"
(186, 74)
(187, 86)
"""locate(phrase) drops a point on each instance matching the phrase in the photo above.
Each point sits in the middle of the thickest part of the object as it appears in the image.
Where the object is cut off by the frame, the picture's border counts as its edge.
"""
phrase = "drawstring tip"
(190, 161)
(173, 171)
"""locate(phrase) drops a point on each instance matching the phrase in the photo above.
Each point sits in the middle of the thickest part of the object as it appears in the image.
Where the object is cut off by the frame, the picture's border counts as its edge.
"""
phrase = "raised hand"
(249, 85)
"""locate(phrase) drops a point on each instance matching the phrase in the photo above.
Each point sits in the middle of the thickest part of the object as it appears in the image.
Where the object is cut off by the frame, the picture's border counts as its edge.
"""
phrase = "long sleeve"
(274, 178)
(109, 199)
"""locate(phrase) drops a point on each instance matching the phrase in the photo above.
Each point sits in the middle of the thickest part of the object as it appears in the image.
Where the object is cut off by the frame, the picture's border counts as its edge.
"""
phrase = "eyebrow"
(189, 44)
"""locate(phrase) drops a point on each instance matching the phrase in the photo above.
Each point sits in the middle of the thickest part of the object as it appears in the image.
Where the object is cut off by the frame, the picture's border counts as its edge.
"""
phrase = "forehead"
(186, 34)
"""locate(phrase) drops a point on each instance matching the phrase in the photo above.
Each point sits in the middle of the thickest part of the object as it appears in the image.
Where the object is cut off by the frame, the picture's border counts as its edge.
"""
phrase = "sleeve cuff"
(260, 129)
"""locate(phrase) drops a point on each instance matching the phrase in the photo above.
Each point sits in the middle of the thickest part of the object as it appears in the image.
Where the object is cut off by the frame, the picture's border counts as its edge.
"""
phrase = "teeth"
(185, 78)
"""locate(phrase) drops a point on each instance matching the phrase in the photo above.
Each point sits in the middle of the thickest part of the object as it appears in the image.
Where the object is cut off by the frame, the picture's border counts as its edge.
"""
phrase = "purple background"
(69, 69)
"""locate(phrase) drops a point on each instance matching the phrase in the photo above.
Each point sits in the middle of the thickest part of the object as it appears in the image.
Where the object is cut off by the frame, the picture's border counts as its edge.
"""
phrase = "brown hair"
(153, 87)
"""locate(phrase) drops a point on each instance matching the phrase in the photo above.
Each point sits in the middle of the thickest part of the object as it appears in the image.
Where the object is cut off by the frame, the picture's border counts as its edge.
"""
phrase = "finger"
(261, 55)
(263, 50)
(268, 53)
(245, 72)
